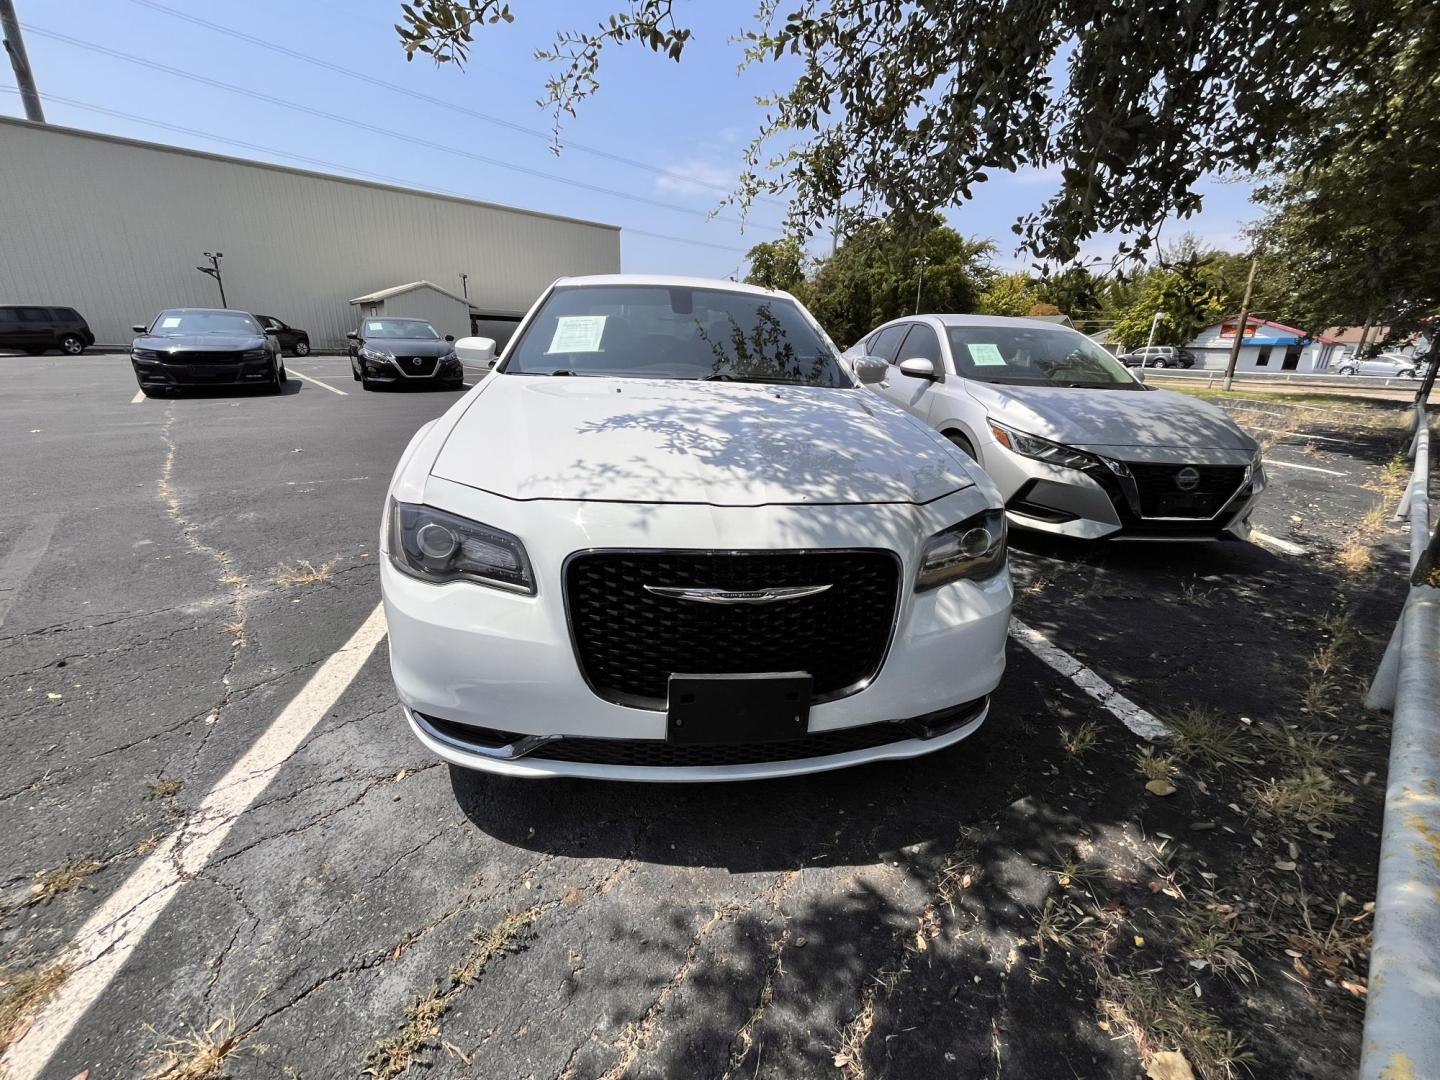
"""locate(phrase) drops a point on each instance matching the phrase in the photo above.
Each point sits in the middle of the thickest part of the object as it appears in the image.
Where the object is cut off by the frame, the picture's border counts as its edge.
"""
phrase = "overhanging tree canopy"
(902, 106)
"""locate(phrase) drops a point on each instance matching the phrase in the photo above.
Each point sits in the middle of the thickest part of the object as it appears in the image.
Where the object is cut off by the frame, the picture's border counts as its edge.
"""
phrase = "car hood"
(217, 342)
(409, 346)
(1080, 417)
(633, 440)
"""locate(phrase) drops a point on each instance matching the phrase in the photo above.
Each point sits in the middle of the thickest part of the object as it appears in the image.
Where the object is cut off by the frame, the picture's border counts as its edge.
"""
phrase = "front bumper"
(391, 371)
(159, 374)
(1097, 503)
(468, 655)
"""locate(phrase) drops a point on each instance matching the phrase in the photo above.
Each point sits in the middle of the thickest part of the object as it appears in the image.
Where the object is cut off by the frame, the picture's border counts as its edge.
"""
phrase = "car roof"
(211, 310)
(670, 281)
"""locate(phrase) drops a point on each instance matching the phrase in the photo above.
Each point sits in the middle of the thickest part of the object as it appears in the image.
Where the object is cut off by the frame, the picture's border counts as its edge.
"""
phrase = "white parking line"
(1126, 711)
(1307, 468)
(138, 398)
(115, 930)
(1283, 546)
(317, 382)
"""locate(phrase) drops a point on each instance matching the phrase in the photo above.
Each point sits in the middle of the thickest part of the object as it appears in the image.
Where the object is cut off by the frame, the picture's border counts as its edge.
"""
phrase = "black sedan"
(205, 347)
(292, 340)
(392, 351)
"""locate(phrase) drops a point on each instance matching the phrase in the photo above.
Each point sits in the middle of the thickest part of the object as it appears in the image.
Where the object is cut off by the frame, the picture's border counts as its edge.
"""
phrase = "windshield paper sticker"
(577, 333)
(170, 322)
(985, 355)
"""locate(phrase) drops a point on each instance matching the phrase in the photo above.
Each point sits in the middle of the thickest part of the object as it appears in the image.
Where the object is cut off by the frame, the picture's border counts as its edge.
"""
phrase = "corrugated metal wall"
(115, 228)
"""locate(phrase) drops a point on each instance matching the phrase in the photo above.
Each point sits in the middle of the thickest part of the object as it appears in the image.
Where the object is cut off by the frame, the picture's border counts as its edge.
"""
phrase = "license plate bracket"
(1183, 504)
(757, 707)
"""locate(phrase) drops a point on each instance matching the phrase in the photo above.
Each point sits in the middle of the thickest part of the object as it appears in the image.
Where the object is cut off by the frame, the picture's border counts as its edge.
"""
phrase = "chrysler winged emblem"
(733, 596)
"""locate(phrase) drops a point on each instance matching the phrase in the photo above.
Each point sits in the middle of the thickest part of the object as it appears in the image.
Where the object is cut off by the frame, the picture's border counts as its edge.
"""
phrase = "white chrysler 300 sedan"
(1076, 444)
(670, 538)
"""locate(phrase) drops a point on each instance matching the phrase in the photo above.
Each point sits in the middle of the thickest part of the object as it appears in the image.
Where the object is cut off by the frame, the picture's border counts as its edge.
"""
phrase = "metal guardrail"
(1212, 377)
(1402, 1013)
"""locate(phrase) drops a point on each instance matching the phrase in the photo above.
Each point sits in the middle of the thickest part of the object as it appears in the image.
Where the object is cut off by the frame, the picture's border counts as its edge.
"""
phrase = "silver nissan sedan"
(1077, 445)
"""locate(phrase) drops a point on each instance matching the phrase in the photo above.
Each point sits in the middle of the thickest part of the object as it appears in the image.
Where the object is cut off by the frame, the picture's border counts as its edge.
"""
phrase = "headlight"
(376, 354)
(449, 357)
(1033, 446)
(255, 354)
(435, 546)
(973, 549)
(146, 355)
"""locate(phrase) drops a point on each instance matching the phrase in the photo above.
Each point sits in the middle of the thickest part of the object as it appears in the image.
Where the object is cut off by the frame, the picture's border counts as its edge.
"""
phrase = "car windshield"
(205, 322)
(675, 332)
(1023, 356)
(400, 328)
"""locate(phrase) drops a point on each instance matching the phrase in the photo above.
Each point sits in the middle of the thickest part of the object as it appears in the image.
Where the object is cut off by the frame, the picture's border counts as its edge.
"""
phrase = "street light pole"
(465, 285)
(214, 271)
(1241, 324)
(24, 77)
(1155, 322)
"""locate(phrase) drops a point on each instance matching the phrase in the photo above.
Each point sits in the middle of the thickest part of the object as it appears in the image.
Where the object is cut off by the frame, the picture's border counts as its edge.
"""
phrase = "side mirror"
(139, 328)
(917, 367)
(353, 336)
(492, 363)
(871, 370)
(449, 337)
(476, 350)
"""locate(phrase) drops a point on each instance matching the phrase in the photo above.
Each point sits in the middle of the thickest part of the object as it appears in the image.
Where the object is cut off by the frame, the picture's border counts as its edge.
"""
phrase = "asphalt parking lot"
(174, 572)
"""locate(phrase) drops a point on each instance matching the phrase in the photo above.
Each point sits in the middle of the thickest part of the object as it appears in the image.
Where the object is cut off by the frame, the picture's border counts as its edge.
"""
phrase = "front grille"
(629, 641)
(417, 365)
(200, 356)
(1161, 496)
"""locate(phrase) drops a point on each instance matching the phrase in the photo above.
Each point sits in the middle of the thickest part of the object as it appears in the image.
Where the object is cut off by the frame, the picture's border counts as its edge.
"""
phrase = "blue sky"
(691, 120)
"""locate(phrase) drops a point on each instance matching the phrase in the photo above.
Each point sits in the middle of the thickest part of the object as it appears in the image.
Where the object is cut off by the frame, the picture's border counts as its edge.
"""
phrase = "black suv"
(293, 341)
(34, 329)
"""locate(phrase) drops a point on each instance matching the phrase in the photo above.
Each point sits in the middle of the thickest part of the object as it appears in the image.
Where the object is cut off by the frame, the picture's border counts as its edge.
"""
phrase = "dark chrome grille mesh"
(200, 356)
(629, 641)
(1218, 483)
(656, 754)
(417, 365)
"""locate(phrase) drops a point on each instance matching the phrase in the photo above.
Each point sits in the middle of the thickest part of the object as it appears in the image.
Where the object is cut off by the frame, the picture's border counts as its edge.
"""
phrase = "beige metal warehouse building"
(115, 228)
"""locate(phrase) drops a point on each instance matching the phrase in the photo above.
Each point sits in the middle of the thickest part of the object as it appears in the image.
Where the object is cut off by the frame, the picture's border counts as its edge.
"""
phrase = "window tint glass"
(675, 332)
(205, 322)
(1038, 357)
(921, 343)
(888, 341)
(67, 314)
(34, 314)
(399, 328)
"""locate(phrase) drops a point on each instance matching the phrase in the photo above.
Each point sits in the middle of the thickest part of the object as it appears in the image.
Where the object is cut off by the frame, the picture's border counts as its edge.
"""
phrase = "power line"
(372, 129)
(321, 162)
(417, 95)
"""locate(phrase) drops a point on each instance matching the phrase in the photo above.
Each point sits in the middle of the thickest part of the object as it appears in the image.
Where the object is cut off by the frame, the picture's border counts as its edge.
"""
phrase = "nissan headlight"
(973, 550)
(435, 546)
(1032, 446)
(376, 354)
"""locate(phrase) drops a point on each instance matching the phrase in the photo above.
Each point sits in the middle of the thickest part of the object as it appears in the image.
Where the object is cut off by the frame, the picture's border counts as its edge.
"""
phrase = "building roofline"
(409, 286)
(14, 121)
(1249, 319)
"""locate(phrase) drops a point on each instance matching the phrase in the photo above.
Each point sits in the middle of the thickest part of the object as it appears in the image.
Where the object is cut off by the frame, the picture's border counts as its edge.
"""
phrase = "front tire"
(1408, 373)
(365, 383)
(962, 444)
(1161, 363)
(1346, 371)
(302, 348)
(277, 386)
(72, 345)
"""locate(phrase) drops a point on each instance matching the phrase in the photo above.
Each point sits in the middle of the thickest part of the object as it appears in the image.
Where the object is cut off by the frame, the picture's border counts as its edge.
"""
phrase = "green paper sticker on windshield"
(577, 333)
(985, 355)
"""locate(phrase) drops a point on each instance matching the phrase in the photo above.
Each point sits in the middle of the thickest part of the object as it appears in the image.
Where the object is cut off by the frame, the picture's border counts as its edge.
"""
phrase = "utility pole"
(919, 283)
(213, 270)
(1241, 323)
(24, 77)
(465, 285)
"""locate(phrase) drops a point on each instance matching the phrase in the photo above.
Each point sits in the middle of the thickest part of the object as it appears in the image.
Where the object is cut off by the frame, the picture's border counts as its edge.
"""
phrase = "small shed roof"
(1062, 320)
(396, 290)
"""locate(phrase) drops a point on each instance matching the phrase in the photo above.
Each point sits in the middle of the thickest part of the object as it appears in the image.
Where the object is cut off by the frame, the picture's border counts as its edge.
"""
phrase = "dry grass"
(1200, 736)
(1060, 923)
(304, 572)
(1155, 766)
(1308, 797)
(1159, 1019)
(1210, 934)
(167, 787)
(1337, 948)
(195, 1055)
(1355, 556)
(21, 995)
(393, 1056)
(1079, 739)
(51, 883)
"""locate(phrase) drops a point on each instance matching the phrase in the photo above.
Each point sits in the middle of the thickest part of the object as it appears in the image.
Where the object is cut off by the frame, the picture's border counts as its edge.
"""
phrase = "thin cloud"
(696, 177)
